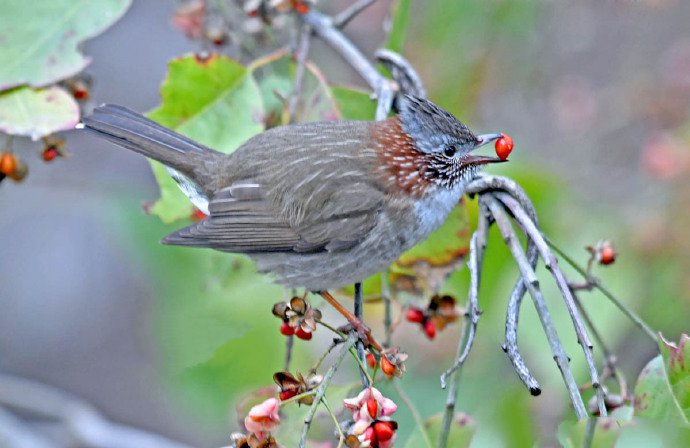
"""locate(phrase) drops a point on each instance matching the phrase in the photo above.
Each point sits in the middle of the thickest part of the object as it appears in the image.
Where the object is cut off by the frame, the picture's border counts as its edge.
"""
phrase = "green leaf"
(36, 113)
(662, 391)
(607, 430)
(400, 19)
(214, 101)
(40, 38)
(462, 431)
(275, 74)
(354, 104)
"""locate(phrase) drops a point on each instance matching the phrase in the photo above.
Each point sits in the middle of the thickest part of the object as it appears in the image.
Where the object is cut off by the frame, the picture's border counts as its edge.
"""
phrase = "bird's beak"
(481, 141)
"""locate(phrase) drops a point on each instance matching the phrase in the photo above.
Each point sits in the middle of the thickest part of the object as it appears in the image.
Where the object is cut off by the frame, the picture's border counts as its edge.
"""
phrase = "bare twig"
(325, 29)
(532, 285)
(415, 412)
(359, 313)
(387, 312)
(637, 320)
(321, 390)
(402, 72)
(344, 17)
(551, 264)
(300, 60)
(477, 246)
(289, 344)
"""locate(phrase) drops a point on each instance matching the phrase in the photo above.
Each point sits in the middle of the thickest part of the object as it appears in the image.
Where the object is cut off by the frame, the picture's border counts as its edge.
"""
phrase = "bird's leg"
(363, 331)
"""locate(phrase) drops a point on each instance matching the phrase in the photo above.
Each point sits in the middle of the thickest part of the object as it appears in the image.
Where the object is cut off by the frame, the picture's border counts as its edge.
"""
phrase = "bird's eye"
(450, 151)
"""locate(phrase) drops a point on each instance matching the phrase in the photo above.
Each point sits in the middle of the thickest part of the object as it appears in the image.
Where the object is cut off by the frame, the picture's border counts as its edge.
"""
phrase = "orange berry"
(371, 360)
(607, 255)
(386, 366)
(504, 146)
(8, 163)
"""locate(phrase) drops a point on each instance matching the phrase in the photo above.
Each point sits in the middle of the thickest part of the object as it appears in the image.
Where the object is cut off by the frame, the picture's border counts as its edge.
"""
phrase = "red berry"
(300, 7)
(253, 13)
(503, 146)
(415, 315)
(287, 394)
(80, 93)
(371, 360)
(286, 329)
(50, 153)
(386, 366)
(306, 335)
(607, 255)
(384, 431)
(8, 163)
(430, 329)
(372, 407)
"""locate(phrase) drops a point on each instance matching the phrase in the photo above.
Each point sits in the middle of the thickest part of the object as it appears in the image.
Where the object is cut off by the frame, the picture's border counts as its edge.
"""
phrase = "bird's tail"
(133, 131)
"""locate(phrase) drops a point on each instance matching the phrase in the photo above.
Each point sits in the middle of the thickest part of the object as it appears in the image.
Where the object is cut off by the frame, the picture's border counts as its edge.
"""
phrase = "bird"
(318, 205)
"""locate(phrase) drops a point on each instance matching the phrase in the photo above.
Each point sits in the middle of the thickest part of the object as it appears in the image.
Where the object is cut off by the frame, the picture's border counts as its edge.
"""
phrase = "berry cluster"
(438, 314)
(299, 318)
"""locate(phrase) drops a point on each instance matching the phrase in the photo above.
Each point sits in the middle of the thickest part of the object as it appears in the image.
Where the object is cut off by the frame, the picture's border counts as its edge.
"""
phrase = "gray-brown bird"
(318, 205)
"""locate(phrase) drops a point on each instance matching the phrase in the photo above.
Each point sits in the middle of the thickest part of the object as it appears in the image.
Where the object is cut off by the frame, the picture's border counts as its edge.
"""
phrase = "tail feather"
(132, 130)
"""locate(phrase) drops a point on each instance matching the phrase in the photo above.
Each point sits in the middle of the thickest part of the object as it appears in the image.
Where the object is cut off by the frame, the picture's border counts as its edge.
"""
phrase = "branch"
(321, 390)
(637, 320)
(551, 264)
(341, 20)
(532, 285)
(300, 59)
(325, 29)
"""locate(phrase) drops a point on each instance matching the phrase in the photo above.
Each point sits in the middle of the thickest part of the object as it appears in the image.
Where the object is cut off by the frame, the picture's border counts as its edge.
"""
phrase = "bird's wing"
(242, 219)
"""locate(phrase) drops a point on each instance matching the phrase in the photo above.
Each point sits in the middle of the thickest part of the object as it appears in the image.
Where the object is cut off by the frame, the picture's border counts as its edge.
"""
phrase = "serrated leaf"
(40, 38)
(354, 104)
(462, 430)
(275, 74)
(36, 113)
(214, 101)
(400, 14)
(662, 391)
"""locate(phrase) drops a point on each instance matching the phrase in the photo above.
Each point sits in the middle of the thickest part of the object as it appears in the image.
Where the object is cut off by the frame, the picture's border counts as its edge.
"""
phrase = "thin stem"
(341, 436)
(387, 312)
(551, 263)
(298, 397)
(301, 58)
(321, 390)
(362, 367)
(342, 19)
(415, 412)
(332, 328)
(637, 320)
(289, 344)
(335, 343)
(532, 285)
(359, 314)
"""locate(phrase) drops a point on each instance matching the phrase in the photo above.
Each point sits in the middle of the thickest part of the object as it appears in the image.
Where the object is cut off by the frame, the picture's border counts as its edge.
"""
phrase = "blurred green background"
(596, 97)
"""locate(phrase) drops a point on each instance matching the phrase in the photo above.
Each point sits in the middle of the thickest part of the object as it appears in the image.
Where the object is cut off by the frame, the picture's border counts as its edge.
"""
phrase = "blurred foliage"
(40, 47)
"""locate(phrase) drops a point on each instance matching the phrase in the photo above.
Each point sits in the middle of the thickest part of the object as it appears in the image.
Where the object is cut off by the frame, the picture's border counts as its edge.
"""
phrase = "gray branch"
(532, 284)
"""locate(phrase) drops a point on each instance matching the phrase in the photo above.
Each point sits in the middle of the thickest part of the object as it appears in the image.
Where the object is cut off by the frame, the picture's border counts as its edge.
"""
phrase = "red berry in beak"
(286, 329)
(430, 329)
(303, 334)
(384, 431)
(504, 146)
(415, 315)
